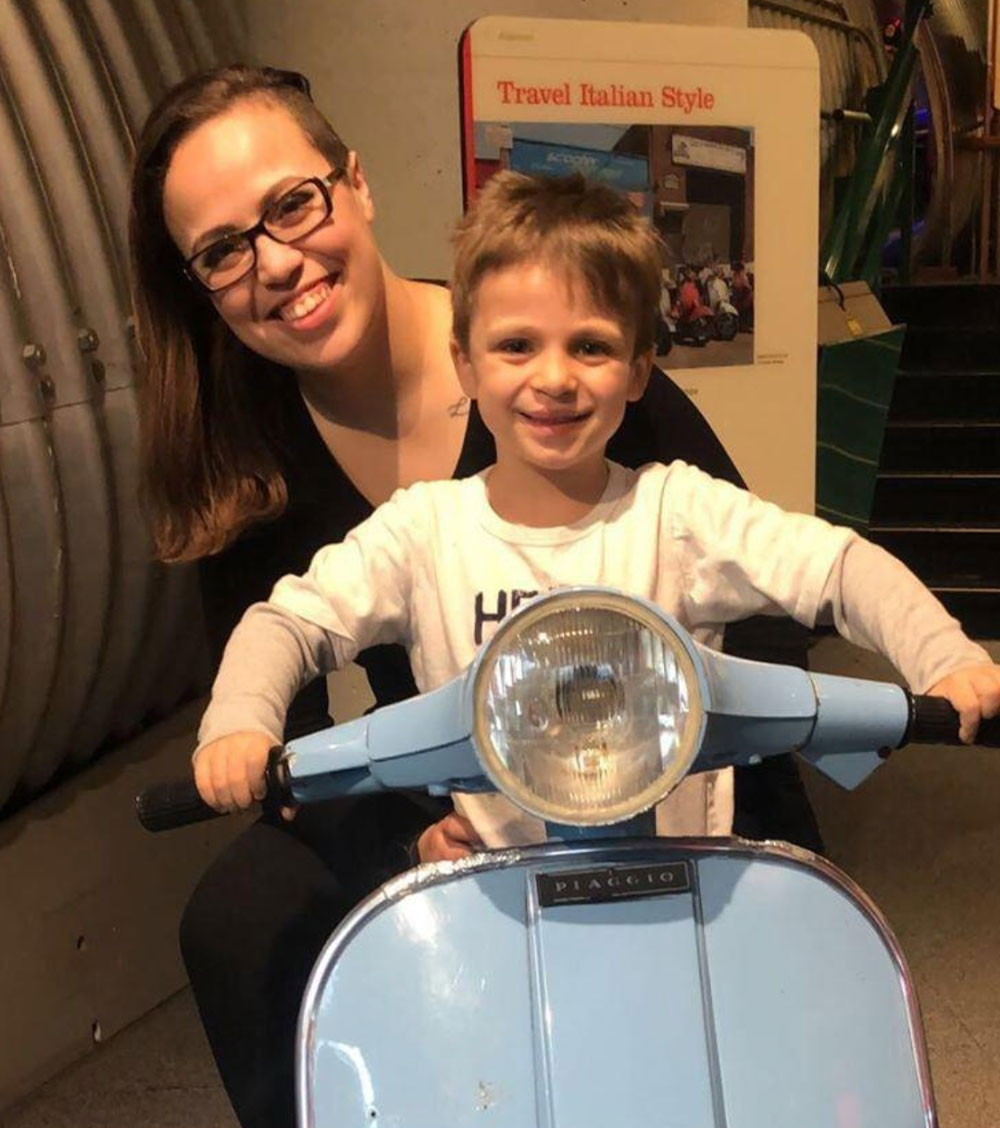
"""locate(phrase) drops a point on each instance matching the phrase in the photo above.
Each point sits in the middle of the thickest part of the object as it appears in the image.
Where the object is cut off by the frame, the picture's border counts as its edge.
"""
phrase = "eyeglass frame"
(323, 183)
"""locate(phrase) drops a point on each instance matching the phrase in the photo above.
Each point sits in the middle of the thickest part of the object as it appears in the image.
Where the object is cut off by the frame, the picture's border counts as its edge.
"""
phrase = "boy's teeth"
(306, 304)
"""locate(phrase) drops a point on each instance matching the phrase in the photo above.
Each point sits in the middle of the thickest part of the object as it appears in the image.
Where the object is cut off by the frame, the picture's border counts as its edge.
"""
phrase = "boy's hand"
(975, 693)
(449, 839)
(229, 772)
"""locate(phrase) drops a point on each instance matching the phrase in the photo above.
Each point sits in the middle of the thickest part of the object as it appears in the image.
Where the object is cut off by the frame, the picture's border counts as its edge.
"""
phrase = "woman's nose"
(276, 261)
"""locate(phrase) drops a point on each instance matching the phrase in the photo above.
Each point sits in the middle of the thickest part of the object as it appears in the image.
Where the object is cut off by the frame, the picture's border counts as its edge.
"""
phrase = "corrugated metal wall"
(94, 637)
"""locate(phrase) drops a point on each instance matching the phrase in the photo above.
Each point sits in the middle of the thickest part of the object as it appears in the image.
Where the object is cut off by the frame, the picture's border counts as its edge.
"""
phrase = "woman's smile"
(310, 307)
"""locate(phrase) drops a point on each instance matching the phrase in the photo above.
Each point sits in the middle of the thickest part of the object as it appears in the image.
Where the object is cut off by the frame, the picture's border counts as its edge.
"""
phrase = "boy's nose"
(554, 375)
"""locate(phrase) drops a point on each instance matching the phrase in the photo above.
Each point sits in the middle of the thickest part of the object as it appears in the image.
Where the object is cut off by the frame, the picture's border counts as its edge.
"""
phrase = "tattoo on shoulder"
(459, 407)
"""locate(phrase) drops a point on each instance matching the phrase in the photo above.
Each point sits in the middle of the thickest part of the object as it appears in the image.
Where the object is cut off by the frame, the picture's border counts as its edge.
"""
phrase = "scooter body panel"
(814, 1013)
(723, 984)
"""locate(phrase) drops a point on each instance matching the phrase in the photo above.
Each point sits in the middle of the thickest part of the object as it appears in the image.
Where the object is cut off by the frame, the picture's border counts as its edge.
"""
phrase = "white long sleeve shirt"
(436, 569)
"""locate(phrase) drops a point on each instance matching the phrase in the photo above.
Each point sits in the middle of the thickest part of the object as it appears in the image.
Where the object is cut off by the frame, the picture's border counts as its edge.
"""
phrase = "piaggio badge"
(612, 883)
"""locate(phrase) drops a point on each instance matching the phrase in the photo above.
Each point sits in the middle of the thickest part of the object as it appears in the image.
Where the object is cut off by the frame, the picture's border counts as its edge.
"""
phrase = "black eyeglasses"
(293, 215)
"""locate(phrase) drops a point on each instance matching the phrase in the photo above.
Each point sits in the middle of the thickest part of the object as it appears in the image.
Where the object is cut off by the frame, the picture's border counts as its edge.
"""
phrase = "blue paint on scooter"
(611, 979)
(766, 996)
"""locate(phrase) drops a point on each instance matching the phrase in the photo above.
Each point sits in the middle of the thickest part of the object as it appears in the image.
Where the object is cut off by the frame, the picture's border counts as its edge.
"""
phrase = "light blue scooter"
(609, 978)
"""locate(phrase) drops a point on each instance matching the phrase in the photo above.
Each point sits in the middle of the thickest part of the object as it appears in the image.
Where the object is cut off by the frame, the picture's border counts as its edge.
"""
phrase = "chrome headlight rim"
(649, 616)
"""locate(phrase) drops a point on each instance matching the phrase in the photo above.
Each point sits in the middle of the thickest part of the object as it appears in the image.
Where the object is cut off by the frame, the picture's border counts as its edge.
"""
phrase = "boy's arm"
(270, 655)
(877, 602)
(740, 555)
(666, 425)
(874, 600)
(354, 594)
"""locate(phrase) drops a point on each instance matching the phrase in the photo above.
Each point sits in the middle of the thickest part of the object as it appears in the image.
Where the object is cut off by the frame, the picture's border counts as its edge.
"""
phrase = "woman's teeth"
(306, 304)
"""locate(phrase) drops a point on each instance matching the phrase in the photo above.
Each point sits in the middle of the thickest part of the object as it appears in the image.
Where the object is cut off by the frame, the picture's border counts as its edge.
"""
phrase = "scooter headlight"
(587, 708)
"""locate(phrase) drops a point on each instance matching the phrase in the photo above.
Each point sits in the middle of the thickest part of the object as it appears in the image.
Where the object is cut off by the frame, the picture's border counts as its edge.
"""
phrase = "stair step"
(945, 556)
(946, 397)
(926, 445)
(929, 498)
(937, 496)
(949, 304)
(934, 347)
(978, 610)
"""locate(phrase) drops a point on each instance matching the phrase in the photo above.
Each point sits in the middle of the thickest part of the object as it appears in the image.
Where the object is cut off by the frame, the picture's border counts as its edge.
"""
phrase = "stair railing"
(882, 178)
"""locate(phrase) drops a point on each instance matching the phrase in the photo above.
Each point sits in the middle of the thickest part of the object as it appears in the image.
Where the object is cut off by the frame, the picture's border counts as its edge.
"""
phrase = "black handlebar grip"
(163, 806)
(934, 720)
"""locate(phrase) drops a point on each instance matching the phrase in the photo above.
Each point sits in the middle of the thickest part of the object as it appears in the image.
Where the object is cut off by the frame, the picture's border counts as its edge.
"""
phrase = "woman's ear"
(642, 366)
(356, 178)
(463, 366)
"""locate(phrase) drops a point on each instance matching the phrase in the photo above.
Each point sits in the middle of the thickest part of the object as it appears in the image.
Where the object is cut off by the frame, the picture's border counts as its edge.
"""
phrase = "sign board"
(715, 135)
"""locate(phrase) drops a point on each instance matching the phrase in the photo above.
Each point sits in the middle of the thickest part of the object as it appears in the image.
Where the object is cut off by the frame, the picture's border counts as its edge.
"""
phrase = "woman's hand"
(975, 693)
(451, 838)
(229, 772)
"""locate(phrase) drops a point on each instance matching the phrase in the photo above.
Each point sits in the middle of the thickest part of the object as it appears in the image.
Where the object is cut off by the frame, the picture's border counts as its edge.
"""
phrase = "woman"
(293, 381)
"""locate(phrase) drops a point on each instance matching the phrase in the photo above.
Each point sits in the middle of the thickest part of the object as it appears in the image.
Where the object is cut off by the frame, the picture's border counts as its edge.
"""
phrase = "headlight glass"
(587, 708)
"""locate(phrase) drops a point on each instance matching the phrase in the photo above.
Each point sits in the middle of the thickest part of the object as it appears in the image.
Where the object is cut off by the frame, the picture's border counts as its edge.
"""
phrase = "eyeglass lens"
(291, 216)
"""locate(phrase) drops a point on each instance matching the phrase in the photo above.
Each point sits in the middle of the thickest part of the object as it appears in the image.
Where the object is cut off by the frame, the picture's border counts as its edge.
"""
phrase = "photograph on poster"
(696, 185)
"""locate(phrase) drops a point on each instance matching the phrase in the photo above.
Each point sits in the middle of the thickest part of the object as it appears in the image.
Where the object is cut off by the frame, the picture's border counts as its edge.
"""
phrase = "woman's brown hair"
(208, 405)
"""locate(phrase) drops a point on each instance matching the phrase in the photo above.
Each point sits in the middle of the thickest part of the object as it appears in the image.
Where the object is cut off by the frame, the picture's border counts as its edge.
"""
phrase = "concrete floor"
(157, 1073)
(922, 837)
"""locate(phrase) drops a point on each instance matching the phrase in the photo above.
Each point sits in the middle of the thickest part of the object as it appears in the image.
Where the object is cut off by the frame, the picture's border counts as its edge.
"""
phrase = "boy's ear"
(463, 366)
(356, 178)
(642, 366)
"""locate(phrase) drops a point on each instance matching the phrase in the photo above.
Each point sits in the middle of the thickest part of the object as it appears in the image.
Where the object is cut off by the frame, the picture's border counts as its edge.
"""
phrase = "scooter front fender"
(716, 983)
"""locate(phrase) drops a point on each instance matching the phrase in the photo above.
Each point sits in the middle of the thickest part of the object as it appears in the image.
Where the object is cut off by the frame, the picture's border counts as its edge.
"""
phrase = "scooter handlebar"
(934, 720)
(165, 806)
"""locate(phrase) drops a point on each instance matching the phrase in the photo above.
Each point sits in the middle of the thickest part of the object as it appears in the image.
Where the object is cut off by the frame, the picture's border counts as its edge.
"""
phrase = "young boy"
(555, 292)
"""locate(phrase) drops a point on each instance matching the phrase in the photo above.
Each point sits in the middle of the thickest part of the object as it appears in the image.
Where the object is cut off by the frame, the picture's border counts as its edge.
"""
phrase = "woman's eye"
(223, 253)
(291, 206)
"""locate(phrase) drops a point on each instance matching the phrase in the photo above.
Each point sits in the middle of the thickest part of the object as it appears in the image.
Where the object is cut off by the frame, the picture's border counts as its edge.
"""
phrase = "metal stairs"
(937, 497)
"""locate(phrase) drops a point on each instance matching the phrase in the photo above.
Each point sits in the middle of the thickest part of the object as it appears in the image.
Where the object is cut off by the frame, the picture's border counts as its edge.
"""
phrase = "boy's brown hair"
(575, 228)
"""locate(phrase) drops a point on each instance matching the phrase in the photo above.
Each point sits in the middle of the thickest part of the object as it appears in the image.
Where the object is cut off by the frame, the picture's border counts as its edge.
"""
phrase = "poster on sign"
(714, 135)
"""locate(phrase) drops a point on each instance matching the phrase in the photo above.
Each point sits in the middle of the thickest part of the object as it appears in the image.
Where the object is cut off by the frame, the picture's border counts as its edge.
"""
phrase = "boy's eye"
(594, 347)
(518, 346)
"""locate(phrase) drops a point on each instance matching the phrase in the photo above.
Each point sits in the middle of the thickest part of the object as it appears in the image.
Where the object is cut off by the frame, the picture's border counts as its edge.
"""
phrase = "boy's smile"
(552, 374)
